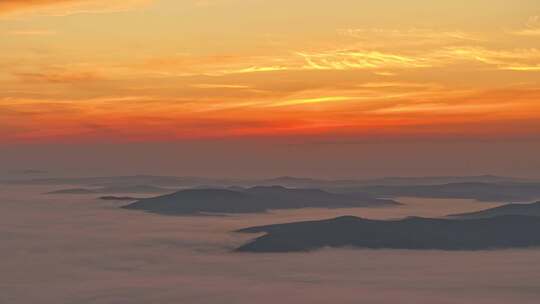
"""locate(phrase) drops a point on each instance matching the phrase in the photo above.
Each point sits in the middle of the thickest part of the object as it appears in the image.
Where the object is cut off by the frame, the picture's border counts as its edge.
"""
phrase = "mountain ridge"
(531, 209)
(252, 200)
(410, 233)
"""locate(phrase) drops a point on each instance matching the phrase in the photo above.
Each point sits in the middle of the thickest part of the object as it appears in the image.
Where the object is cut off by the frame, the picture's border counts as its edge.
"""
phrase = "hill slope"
(410, 233)
(250, 200)
(510, 209)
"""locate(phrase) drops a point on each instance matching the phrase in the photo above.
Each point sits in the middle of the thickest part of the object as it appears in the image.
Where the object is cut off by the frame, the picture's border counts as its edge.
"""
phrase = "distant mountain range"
(482, 191)
(285, 181)
(119, 181)
(410, 233)
(441, 180)
(509, 209)
(482, 187)
(252, 200)
(113, 189)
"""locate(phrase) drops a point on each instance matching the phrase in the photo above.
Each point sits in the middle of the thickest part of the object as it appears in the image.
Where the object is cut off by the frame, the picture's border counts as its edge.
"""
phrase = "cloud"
(329, 59)
(56, 76)
(358, 59)
(219, 86)
(502, 59)
(513, 59)
(379, 61)
(441, 108)
(389, 109)
(218, 65)
(532, 28)
(14, 5)
(66, 7)
(409, 37)
(312, 100)
(30, 32)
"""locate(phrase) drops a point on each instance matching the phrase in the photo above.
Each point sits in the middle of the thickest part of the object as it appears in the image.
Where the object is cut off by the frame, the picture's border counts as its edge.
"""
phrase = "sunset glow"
(142, 70)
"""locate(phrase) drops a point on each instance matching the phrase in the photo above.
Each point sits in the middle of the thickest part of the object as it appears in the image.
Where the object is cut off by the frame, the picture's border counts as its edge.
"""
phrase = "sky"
(255, 88)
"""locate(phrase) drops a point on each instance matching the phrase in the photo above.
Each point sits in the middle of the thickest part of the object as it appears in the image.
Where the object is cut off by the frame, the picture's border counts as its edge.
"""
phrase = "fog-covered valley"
(79, 249)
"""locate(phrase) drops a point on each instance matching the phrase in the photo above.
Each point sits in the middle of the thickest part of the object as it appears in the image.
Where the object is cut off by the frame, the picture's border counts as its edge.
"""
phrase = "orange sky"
(154, 70)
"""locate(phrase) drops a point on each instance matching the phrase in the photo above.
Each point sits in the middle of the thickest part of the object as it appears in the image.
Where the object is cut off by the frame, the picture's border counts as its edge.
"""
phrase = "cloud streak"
(377, 37)
(385, 110)
(210, 70)
(514, 59)
(30, 32)
(531, 29)
(58, 77)
(352, 59)
(66, 7)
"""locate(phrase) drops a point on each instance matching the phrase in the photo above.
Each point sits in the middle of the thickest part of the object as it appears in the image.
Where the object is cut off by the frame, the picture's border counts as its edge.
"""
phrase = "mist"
(77, 249)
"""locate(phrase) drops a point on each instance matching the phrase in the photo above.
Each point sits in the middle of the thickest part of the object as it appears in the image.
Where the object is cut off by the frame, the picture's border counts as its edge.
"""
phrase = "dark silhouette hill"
(509, 209)
(118, 198)
(409, 233)
(252, 200)
(73, 191)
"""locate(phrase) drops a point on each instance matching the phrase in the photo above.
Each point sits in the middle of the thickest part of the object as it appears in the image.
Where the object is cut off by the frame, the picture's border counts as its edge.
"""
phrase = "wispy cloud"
(219, 86)
(66, 7)
(442, 108)
(312, 100)
(30, 32)
(411, 36)
(329, 59)
(58, 76)
(358, 59)
(380, 62)
(532, 28)
(513, 59)
(366, 108)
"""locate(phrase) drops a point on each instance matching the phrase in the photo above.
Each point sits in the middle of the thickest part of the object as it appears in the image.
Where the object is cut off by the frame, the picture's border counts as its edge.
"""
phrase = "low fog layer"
(78, 249)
